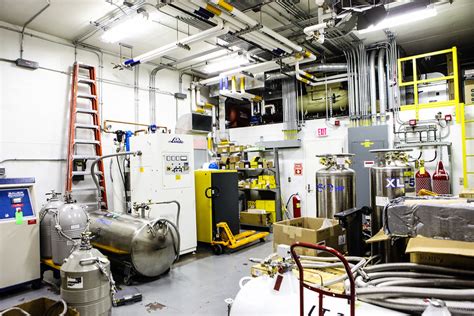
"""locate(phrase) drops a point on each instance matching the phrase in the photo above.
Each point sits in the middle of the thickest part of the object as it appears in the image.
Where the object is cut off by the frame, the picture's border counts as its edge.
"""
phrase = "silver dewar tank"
(390, 177)
(335, 185)
(149, 245)
(46, 214)
(86, 280)
(67, 224)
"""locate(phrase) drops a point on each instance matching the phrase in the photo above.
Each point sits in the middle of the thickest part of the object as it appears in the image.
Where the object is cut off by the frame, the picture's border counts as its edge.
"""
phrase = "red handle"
(350, 297)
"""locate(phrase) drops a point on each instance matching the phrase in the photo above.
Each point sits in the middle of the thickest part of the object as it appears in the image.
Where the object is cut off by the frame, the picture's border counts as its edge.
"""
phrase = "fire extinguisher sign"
(298, 168)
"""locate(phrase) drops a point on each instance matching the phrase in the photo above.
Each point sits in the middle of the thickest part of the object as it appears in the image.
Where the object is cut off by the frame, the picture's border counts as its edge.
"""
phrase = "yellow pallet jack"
(225, 238)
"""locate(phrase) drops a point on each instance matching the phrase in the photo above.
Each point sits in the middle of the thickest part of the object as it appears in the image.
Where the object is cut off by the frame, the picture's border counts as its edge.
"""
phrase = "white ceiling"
(69, 18)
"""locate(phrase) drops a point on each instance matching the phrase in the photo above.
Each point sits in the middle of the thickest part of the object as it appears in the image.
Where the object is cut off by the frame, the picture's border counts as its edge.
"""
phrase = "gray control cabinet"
(361, 141)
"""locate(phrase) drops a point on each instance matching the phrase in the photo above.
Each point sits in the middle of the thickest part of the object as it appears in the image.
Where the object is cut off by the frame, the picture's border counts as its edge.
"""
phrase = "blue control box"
(13, 200)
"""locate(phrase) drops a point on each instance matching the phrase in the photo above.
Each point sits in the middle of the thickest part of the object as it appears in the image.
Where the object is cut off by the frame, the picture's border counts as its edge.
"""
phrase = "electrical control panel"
(176, 163)
(13, 201)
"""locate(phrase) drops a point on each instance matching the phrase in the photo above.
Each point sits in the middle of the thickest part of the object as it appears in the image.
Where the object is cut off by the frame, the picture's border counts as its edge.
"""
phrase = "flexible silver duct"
(405, 291)
(439, 283)
(414, 266)
(288, 90)
(411, 305)
(382, 81)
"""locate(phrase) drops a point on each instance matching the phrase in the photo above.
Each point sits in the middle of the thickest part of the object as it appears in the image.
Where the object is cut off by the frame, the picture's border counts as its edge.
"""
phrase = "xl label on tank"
(329, 187)
(395, 183)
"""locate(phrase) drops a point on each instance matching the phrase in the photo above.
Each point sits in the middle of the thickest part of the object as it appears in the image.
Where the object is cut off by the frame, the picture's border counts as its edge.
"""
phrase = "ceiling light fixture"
(401, 19)
(136, 25)
(226, 63)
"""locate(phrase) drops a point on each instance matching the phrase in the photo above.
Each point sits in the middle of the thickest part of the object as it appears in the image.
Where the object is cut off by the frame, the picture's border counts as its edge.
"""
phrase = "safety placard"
(298, 169)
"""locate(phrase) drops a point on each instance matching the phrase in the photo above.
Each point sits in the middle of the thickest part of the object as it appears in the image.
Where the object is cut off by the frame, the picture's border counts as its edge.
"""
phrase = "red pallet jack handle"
(350, 297)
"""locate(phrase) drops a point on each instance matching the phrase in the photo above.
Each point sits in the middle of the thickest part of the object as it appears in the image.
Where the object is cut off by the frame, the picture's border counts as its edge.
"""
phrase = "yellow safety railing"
(452, 77)
(466, 139)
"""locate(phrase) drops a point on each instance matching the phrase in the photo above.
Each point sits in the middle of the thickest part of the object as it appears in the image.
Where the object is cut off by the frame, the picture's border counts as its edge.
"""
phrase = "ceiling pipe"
(218, 30)
(48, 3)
(373, 86)
(254, 36)
(382, 82)
(251, 22)
(333, 67)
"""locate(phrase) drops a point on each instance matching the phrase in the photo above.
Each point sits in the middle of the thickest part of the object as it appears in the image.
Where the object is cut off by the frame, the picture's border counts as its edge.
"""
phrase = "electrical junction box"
(361, 141)
(19, 233)
(165, 172)
(33, 65)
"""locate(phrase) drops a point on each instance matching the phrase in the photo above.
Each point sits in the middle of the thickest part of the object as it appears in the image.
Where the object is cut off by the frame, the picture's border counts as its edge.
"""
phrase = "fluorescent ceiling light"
(225, 63)
(401, 19)
(134, 26)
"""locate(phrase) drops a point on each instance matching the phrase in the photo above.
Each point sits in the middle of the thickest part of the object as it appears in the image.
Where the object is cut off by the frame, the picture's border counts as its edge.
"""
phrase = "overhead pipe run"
(382, 82)
(373, 86)
(252, 23)
(48, 3)
(333, 67)
(218, 30)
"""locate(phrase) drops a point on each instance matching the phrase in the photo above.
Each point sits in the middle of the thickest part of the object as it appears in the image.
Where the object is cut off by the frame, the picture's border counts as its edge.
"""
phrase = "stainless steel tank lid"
(336, 155)
(389, 150)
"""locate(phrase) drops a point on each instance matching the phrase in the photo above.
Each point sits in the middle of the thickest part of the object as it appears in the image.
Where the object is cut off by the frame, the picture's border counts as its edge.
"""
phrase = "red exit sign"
(322, 132)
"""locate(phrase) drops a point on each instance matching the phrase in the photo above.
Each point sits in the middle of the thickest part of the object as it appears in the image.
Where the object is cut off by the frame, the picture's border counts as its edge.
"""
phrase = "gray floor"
(197, 285)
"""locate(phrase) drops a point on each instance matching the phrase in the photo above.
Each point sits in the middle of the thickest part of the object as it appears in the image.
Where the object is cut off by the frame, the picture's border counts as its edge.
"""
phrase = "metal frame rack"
(267, 194)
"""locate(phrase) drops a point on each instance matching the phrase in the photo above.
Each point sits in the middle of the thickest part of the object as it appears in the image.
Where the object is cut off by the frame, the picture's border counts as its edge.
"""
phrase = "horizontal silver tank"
(335, 185)
(149, 245)
(86, 281)
(46, 214)
(390, 178)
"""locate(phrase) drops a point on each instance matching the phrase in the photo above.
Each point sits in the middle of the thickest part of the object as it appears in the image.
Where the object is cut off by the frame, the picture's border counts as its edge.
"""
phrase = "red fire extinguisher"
(422, 178)
(296, 206)
(441, 180)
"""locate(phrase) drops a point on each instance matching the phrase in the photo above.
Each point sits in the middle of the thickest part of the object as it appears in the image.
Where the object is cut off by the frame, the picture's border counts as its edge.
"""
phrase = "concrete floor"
(197, 285)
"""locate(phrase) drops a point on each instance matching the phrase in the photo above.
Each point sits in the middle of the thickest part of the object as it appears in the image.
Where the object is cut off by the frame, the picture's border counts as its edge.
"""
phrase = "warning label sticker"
(75, 283)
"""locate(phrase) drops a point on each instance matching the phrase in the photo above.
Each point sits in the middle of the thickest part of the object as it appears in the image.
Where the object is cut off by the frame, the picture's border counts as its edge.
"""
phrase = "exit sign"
(322, 132)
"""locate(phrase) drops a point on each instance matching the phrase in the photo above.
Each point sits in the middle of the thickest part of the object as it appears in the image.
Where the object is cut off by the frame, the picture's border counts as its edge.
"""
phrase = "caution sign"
(298, 169)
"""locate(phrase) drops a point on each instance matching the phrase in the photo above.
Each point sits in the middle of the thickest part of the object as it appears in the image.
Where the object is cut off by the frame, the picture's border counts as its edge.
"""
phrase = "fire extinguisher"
(296, 206)
(441, 180)
(422, 178)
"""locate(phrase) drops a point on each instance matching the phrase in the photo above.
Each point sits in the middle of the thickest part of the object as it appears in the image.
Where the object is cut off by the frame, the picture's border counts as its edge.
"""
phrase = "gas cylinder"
(441, 183)
(46, 214)
(422, 178)
(86, 281)
(67, 224)
(296, 200)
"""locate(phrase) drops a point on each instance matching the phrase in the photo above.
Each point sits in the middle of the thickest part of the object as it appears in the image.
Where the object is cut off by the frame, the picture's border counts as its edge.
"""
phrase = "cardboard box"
(446, 253)
(39, 307)
(310, 230)
(255, 219)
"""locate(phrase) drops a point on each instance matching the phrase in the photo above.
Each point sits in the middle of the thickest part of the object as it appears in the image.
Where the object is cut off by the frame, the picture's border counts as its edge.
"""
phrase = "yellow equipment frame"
(453, 81)
(227, 238)
(453, 77)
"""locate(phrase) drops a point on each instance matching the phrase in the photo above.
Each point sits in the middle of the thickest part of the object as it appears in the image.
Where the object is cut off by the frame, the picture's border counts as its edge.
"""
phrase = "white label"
(381, 200)
(341, 240)
(340, 161)
(75, 226)
(368, 163)
(75, 283)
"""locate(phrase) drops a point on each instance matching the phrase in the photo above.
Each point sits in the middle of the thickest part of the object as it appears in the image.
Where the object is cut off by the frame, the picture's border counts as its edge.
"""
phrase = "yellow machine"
(217, 211)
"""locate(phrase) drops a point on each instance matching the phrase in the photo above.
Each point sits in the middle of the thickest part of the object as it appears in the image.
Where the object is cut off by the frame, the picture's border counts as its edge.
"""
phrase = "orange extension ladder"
(84, 133)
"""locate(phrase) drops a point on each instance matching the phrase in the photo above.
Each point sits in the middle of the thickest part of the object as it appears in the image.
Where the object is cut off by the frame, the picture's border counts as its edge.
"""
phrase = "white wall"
(34, 105)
